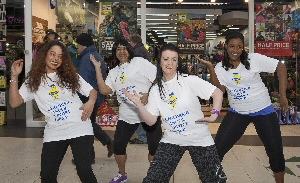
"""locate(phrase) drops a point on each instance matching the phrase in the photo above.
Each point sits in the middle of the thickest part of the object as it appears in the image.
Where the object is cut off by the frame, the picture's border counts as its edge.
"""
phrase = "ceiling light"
(212, 1)
(246, 1)
(180, 1)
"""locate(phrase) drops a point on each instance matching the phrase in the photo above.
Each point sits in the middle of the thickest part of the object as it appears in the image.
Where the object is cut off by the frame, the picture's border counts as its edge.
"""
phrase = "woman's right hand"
(205, 62)
(96, 63)
(135, 98)
(16, 67)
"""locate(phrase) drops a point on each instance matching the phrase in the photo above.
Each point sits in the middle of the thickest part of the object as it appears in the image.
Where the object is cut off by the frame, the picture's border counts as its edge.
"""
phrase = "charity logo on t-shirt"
(237, 78)
(173, 100)
(54, 92)
(123, 77)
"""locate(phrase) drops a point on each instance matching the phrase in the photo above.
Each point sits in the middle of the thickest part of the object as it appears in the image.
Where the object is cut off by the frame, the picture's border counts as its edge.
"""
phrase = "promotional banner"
(273, 29)
(191, 33)
(274, 48)
(117, 20)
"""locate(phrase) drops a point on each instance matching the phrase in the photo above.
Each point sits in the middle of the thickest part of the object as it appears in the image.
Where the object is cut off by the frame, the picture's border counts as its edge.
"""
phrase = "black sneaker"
(137, 141)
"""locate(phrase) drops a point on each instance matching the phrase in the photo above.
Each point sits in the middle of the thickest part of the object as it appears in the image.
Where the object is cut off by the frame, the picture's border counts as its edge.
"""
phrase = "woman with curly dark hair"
(239, 74)
(53, 83)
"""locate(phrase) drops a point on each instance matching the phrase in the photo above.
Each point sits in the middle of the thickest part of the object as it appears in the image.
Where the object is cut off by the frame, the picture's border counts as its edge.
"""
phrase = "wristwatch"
(215, 111)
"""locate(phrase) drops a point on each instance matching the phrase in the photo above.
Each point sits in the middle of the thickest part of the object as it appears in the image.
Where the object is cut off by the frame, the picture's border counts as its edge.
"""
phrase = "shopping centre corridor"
(20, 151)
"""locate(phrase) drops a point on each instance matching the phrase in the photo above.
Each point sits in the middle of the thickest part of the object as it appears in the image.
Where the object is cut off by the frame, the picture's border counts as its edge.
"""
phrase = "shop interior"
(162, 26)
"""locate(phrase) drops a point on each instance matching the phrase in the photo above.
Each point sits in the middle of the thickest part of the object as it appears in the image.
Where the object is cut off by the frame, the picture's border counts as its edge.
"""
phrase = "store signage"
(2, 11)
(191, 48)
(274, 48)
(191, 33)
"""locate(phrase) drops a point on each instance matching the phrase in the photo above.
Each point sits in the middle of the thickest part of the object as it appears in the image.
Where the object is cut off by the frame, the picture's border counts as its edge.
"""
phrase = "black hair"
(244, 56)
(125, 43)
(159, 73)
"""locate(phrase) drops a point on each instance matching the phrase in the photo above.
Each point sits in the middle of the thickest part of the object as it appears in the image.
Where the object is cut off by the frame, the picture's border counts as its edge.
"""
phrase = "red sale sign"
(274, 48)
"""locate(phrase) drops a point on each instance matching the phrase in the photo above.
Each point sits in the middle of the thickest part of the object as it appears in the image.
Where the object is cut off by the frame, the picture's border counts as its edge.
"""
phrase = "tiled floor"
(20, 150)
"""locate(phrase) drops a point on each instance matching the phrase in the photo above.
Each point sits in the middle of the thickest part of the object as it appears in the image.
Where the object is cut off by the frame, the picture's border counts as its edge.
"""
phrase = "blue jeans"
(141, 133)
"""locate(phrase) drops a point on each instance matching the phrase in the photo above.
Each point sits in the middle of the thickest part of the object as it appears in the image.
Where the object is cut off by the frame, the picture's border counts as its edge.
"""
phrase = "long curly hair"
(160, 74)
(125, 43)
(67, 73)
(244, 56)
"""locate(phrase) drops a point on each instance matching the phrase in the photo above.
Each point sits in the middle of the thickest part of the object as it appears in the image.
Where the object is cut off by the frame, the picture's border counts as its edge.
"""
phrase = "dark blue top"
(88, 73)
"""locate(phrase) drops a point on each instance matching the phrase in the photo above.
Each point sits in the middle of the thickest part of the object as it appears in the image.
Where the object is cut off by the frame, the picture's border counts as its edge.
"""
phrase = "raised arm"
(103, 88)
(213, 76)
(282, 77)
(146, 116)
(15, 99)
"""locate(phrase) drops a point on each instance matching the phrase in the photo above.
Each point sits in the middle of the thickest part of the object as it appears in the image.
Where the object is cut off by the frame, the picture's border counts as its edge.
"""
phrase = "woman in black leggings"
(249, 100)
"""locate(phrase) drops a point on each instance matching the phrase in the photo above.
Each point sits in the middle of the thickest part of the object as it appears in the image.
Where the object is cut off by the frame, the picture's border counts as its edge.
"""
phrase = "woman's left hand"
(87, 108)
(211, 118)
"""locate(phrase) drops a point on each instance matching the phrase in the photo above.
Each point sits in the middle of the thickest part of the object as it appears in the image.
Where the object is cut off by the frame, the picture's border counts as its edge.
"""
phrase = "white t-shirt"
(61, 109)
(181, 108)
(136, 75)
(246, 91)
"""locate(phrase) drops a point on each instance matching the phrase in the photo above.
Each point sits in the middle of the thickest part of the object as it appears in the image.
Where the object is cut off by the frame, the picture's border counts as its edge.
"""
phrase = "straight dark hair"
(159, 73)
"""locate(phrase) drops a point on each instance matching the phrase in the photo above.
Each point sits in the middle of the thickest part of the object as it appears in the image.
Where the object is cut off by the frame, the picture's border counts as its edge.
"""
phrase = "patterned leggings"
(167, 157)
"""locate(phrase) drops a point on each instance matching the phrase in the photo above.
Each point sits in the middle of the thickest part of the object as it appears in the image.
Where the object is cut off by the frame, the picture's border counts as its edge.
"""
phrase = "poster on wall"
(70, 12)
(121, 23)
(39, 27)
(273, 29)
(106, 8)
(191, 33)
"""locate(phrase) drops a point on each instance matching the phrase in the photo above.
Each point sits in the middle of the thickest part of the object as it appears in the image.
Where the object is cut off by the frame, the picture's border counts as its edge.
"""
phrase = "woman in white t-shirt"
(53, 83)
(239, 74)
(132, 73)
(174, 97)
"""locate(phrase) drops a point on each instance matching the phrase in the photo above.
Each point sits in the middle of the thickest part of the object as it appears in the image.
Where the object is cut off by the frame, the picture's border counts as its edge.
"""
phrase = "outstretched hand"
(211, 118)
(205, 62)
(16, 67)
(95, 62)
(135, 98)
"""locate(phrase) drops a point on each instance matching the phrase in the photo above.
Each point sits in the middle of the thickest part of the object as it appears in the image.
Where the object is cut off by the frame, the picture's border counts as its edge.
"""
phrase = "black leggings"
(267, 127)
(124, 132)
(167, 157)
(53, 153)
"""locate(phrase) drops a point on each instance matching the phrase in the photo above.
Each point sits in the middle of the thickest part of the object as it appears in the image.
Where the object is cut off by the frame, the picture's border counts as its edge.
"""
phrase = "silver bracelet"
(13, 81)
